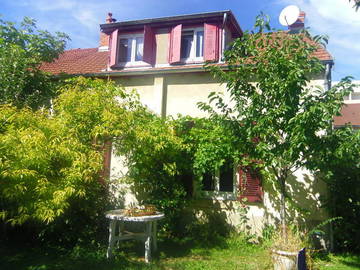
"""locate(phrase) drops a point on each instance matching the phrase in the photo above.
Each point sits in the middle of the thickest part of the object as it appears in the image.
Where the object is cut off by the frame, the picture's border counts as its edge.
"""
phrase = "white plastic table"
(117, 218)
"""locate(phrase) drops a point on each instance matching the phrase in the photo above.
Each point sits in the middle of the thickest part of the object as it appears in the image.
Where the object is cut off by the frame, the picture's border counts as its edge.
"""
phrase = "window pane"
(355, 96)
(124, 50)
(186, 43)
(208, 182)
(226, 177)
(200, 44)
(139, 49)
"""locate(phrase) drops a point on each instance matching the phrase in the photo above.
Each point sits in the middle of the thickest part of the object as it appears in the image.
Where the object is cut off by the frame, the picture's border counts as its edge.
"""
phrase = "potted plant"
(285, 250)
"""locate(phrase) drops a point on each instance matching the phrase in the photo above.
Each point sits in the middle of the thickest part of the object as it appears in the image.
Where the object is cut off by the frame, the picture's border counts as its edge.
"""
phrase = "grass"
(231, 253)
(338, 262)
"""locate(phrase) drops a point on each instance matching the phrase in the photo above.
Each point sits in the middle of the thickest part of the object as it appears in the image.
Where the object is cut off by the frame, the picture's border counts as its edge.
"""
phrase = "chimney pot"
(109, 18)
(299, 24)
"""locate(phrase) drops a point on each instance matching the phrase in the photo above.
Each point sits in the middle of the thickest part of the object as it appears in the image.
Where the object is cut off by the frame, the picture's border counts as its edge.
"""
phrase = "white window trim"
(132, 62)
(193, 57)
(350, 100)
(224, 195)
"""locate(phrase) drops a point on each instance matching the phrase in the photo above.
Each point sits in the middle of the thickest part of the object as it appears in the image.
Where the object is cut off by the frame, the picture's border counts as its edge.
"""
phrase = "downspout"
(222, 47)
(327, 78)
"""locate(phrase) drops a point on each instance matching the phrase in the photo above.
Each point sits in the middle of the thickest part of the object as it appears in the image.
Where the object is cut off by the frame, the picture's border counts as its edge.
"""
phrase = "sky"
(80, 19)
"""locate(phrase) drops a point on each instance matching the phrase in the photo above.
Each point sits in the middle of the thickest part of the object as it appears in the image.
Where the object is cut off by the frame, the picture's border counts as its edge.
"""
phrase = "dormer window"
(192, 45)
(131, 49)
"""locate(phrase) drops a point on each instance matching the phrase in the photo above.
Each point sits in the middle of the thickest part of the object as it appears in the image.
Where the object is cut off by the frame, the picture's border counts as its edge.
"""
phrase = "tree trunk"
(283, 207)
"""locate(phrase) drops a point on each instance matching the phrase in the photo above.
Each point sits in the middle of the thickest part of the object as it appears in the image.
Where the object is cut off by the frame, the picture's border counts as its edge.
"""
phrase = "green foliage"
(50, 163)
(154, 156)
(22, 51)
(340, 167)
(273, 113)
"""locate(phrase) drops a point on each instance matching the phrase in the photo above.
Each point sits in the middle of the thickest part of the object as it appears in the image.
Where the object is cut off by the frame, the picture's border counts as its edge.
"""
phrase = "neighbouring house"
(350, 112)
(163, 59)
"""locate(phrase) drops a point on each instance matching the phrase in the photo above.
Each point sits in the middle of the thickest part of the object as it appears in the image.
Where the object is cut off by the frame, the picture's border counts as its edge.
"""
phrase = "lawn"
(231, 253)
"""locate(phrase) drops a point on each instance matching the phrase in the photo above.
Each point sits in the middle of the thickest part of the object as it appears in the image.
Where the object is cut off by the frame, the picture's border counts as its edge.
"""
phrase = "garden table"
(118, 218)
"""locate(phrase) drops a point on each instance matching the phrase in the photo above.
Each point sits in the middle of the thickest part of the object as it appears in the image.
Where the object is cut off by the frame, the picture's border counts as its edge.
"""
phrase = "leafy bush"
(339, 164)
(50, 163)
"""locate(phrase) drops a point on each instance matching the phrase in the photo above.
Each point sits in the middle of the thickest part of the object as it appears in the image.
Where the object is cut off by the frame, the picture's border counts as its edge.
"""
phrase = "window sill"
(132, 65)
(192, 61)
(220, 195)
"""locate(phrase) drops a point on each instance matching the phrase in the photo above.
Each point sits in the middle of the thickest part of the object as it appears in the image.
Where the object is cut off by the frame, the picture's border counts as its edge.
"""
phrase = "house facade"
(162, 58)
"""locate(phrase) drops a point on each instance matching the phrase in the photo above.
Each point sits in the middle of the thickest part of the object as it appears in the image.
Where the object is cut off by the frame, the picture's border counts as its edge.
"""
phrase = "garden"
(54, 134)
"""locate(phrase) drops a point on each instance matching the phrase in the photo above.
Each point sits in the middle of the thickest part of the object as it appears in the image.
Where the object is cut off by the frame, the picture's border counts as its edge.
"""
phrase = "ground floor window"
(234, 183)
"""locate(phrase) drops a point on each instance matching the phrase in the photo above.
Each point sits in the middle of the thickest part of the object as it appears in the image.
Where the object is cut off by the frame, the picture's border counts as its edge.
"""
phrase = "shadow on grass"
(128, 255)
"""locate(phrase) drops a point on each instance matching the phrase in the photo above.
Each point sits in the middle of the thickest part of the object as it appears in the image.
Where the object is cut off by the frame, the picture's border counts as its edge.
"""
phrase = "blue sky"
(80, 19)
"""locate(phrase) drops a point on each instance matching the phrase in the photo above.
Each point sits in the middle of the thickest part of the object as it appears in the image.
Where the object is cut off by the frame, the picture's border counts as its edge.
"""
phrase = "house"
(163, 59)
(350, 112)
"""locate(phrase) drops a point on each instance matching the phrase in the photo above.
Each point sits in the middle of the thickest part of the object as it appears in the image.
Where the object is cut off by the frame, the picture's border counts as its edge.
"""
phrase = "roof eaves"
(165, 19)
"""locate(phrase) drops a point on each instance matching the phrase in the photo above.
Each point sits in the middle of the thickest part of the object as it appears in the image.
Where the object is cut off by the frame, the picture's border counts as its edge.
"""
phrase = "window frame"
(223, 195)
(132, 61)
(192, 58)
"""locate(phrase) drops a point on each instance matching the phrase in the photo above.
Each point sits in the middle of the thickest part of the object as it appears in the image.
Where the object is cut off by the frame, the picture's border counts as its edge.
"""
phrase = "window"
(229, 184)
(354, 96)
(192, 44)
(221, 184)
(130, 49)
(196, 44)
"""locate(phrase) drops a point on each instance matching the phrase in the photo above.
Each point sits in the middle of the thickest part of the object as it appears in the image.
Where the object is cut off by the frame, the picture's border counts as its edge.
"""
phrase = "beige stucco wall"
(162, 46)
(172, 94)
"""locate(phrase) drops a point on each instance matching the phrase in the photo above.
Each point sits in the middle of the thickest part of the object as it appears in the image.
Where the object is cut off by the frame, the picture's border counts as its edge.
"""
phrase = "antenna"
(289, 15)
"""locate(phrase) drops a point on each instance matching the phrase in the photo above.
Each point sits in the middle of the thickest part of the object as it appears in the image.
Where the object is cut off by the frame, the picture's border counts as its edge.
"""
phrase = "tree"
(356, 4)
(22, 51)
(276, 119)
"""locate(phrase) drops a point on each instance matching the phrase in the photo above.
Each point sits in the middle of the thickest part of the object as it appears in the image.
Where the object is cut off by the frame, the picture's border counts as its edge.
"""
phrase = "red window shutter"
(250, 184)
(211, 43)
(113, 47)
(149, 45)
(175, 44)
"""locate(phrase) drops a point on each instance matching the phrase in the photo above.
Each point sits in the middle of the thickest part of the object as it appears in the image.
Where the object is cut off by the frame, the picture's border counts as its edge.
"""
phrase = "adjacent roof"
(78, 61)
(350, 113)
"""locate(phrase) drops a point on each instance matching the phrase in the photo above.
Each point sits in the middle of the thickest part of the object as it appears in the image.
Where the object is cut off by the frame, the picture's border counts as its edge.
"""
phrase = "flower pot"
(284, 260)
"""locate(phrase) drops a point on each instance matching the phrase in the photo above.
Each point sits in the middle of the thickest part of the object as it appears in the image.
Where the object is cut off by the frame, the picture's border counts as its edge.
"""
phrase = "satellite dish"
(289, 15)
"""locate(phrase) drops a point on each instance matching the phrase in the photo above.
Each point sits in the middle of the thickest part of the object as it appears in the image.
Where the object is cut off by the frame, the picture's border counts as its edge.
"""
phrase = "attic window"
(136, 49)
(130, 49)
(196, 44)
(192, 44)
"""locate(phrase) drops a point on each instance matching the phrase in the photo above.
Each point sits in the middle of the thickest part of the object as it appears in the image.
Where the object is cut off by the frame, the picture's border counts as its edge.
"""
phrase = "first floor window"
(131, 49)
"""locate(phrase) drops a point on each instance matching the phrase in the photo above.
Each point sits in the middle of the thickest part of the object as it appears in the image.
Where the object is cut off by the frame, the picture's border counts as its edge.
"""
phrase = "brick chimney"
(299, 24)
(104, 38)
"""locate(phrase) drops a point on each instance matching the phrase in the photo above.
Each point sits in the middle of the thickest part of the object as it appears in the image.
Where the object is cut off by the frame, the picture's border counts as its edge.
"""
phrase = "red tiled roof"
(350, 113)
(78, 61)
(88, 61)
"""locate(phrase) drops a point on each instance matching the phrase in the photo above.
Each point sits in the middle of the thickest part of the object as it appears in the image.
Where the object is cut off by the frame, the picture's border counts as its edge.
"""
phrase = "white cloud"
(48, 5)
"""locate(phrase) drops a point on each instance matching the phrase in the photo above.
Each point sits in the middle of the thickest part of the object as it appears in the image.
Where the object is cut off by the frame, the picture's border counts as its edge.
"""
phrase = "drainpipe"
(327, 78)
(222, 47)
